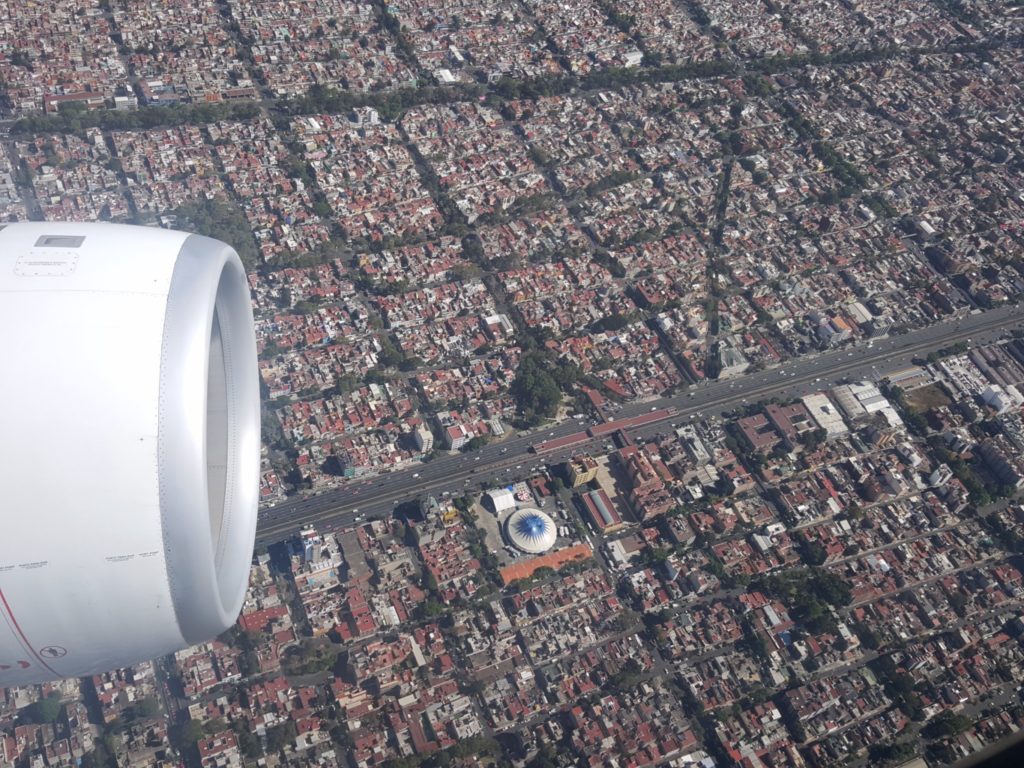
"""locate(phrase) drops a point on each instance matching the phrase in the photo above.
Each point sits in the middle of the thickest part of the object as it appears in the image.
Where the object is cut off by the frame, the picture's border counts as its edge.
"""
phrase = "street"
(376, 497)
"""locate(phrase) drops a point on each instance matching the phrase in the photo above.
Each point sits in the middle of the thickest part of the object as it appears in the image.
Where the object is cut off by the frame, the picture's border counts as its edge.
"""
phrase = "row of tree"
(74, 118)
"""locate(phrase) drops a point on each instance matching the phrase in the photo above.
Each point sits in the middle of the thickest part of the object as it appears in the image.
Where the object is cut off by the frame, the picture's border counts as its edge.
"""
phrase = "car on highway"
(415, 474)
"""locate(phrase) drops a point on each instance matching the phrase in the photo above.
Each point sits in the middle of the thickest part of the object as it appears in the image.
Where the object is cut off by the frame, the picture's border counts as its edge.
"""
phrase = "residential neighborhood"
(656, 317)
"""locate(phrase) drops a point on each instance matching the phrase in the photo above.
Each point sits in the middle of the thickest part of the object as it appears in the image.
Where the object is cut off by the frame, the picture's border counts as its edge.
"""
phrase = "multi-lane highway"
(510, 459)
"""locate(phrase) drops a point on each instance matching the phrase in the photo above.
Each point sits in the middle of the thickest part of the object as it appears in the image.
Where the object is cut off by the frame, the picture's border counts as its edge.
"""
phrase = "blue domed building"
(531, 531)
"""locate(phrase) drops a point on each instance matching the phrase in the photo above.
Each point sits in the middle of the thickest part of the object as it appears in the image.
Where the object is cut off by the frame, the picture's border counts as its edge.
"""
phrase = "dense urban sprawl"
(465, 220)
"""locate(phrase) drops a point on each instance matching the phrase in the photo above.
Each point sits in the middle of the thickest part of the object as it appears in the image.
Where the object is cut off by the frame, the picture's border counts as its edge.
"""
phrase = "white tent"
(502, 499)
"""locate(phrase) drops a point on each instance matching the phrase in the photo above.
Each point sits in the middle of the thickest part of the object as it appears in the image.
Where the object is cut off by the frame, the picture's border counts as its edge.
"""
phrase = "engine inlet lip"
(208, 437)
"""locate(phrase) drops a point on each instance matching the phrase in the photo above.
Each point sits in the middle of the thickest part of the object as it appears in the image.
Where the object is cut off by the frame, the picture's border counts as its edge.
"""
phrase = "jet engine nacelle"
(129, 445)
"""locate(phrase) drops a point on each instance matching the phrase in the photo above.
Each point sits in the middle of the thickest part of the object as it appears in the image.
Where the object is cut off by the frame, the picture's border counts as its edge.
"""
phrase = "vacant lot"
(925, 398)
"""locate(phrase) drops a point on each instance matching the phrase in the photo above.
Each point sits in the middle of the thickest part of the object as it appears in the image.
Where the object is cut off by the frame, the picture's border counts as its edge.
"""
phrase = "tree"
(917, 423)
(811, 440)
(341, 736)
(758, 85)
(753, 640)
(891, 754)
(224, 220)
(478, 746)
(812, 552)
(412, 761)
(546, 757)
(191, 731)
(535, 390)
(625, 620)
(958, 602)
(626, 679)
(655, 555)
(147, 707)
(476, 443)
(810, 592)
(389, 355)
(310, 657)
(45, 710)
(214, 726)
(902, 683)
(946, 724)
(100, 757)
(431, 609)
(613, 322)
(248, 743)
(73, 118)
(280, 735)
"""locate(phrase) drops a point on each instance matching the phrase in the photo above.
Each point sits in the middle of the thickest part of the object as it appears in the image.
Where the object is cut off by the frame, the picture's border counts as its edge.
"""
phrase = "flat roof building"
(582, 469)
(601, 510)
(825, 414)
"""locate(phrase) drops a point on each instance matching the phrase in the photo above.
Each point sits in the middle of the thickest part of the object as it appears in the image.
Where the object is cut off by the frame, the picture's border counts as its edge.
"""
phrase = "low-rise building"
(602, 512)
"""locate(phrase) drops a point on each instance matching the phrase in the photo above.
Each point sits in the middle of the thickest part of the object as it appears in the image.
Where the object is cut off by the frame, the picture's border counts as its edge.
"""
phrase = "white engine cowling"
(129, 445)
